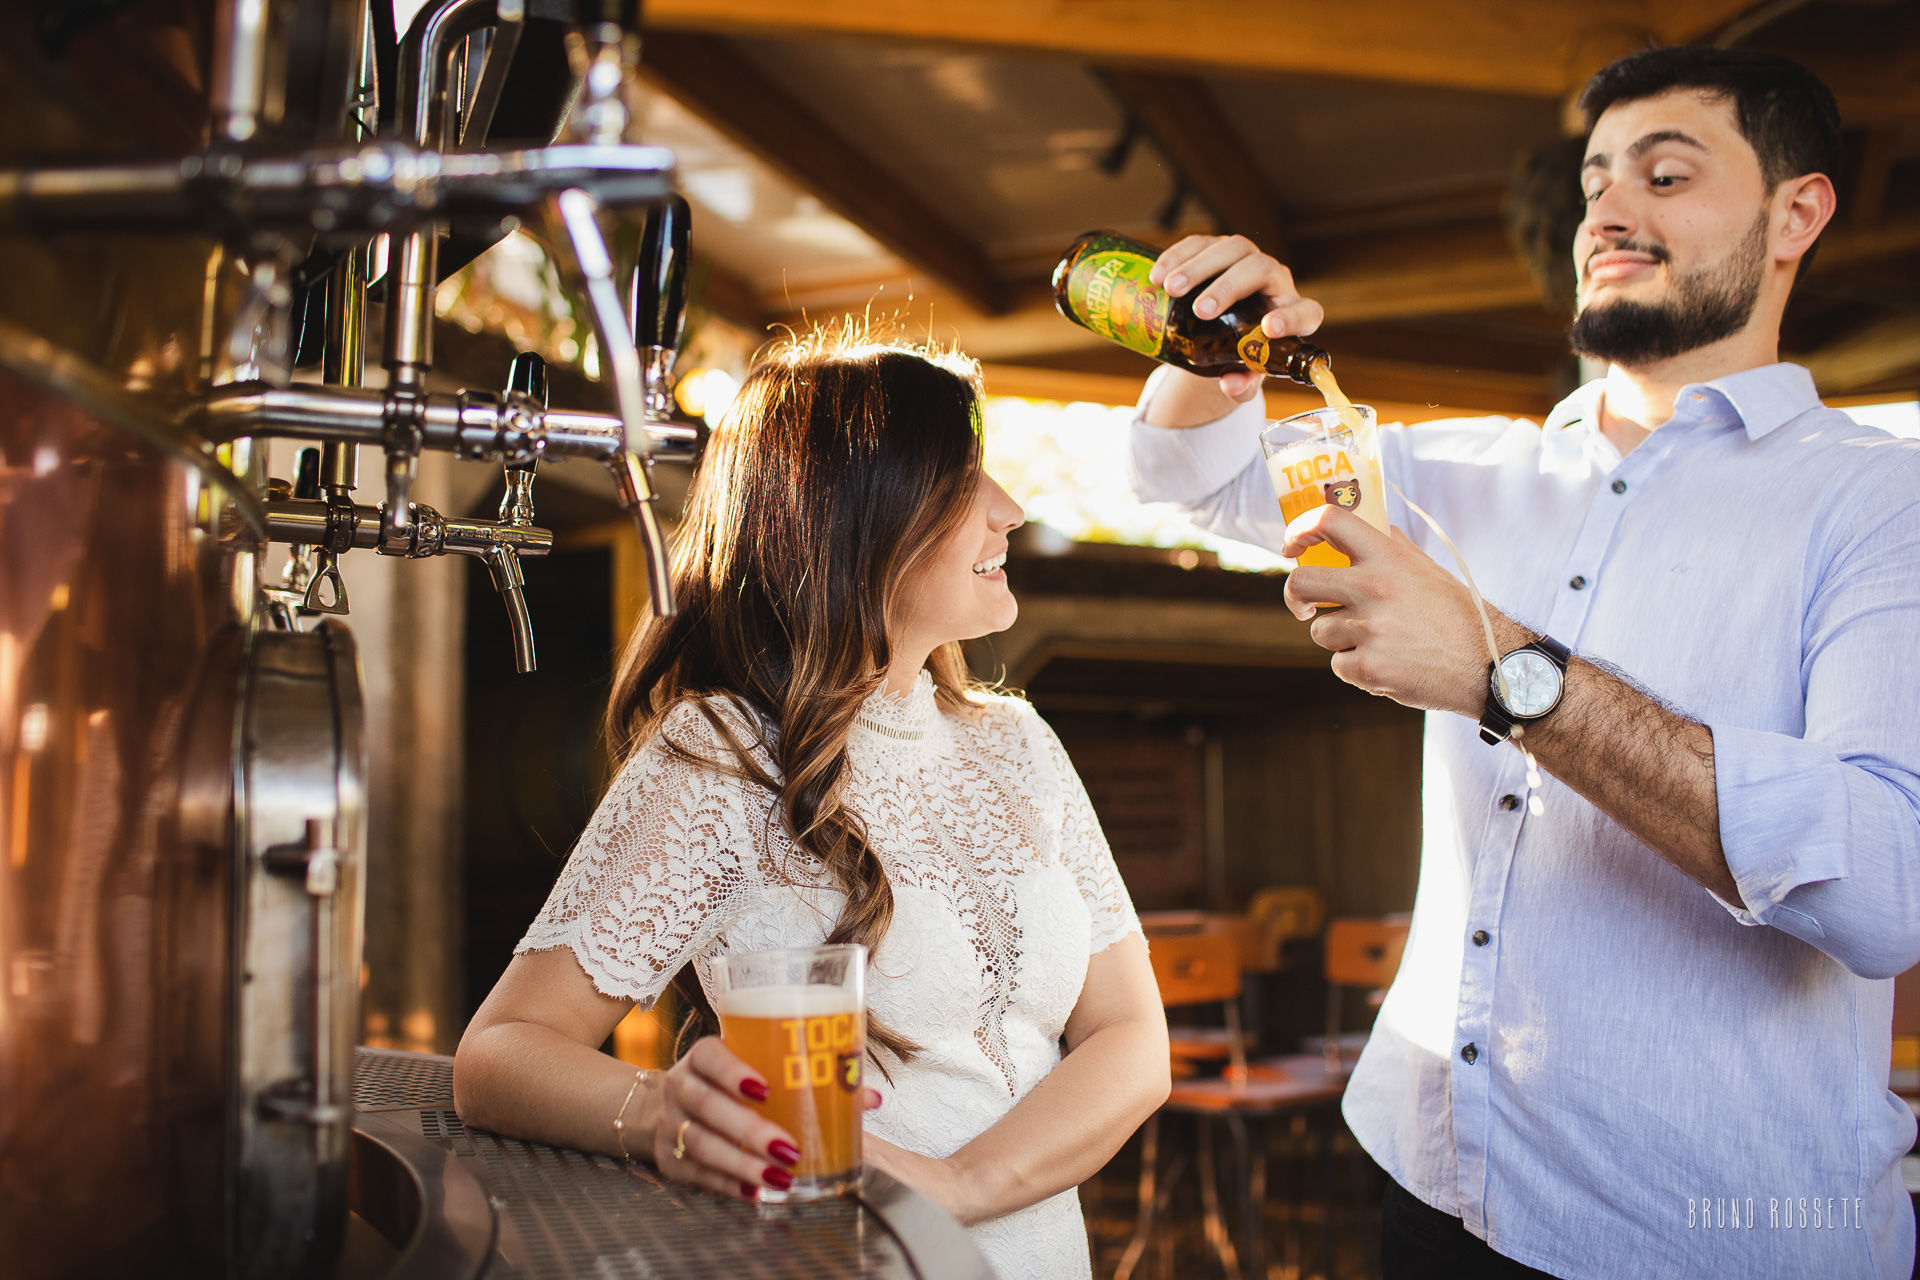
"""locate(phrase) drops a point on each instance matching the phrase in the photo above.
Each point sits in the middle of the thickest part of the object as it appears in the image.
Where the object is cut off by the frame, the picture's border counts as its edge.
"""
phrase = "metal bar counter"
(433, 1200)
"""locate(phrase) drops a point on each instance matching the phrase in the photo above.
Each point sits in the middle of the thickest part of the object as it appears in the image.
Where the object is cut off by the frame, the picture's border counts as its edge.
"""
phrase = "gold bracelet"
(620, 1116)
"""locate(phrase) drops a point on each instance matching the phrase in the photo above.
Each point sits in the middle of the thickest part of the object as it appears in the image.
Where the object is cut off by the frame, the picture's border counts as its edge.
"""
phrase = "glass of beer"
(799, 1018)
(1322, 456)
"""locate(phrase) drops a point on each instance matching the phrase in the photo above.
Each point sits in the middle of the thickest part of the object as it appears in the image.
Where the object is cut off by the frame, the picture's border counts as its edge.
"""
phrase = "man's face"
(1675, 243)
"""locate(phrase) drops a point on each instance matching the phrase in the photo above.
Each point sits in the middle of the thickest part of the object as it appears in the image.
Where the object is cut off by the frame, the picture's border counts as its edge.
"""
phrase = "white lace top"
(1003, 889)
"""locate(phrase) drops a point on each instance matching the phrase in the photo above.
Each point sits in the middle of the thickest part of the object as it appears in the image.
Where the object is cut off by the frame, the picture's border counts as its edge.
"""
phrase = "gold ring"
(680, 1139)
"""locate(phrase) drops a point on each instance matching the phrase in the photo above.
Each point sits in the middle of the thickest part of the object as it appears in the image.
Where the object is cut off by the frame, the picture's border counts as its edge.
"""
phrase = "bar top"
(434, 1200)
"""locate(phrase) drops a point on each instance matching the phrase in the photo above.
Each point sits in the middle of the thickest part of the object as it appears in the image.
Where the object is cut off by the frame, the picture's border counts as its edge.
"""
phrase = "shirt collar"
(1762, 398)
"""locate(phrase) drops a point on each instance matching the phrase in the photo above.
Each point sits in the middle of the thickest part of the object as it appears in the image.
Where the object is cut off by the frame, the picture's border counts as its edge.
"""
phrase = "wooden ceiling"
(930, 160)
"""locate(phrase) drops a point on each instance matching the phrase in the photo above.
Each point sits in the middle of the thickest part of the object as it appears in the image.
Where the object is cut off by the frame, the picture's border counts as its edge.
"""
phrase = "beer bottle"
(1101, 284)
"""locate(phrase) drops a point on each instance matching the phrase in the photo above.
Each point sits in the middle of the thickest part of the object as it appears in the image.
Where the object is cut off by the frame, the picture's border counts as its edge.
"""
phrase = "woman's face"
(960, 591)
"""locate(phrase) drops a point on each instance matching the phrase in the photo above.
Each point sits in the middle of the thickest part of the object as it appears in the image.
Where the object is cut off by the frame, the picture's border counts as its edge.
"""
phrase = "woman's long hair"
(839, 467)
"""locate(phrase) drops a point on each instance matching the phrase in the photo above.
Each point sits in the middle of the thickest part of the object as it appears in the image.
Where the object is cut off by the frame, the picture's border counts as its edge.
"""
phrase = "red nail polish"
(783, 1151)
(750, 1191)
(778, 1179)
(754, 1089)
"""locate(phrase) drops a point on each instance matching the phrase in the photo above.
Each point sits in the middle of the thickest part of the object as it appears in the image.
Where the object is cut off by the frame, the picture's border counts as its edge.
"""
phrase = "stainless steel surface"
(383, 186)
(341, 527)
(581, 251)
(476, 425)
(509, 22)
(300, 851)
(239, 68)
(560, 1213)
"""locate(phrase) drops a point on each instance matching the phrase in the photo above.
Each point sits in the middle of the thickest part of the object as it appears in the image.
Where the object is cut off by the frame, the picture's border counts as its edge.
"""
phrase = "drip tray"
(433, 1200)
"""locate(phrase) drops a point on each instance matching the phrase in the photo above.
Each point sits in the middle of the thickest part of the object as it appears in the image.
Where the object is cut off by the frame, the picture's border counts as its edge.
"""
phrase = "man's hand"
(1407, 629)
(1244, 272)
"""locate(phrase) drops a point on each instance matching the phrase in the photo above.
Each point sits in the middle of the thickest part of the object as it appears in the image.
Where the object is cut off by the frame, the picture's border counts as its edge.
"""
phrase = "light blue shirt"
(1662, 1084)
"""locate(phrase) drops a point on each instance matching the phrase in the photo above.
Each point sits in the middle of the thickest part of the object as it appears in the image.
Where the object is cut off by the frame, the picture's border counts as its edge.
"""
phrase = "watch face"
(1533, 683)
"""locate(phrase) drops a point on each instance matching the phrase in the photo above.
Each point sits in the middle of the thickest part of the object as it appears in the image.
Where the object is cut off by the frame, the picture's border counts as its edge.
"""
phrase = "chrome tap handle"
(659, 302)
(306, 471)
(527, 376)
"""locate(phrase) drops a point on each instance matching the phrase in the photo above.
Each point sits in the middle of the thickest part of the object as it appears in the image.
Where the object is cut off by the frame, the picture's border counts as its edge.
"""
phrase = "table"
(434, 1200)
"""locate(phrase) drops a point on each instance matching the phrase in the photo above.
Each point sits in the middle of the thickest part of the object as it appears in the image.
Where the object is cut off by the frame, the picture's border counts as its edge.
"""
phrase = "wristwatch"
(1536, 675)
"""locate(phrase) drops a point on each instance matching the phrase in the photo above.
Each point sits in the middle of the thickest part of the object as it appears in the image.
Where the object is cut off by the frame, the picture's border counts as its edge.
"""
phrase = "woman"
(806, 761)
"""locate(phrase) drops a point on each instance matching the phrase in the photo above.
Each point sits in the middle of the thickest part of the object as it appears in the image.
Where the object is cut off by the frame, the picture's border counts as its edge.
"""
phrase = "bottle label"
(1111, 291)
(1254, 348)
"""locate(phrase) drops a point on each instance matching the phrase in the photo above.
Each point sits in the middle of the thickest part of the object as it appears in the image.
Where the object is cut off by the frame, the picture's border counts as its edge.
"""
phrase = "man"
(1642, 1027)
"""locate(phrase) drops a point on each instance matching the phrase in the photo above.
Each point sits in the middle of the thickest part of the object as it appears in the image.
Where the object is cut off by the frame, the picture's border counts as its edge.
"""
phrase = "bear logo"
(1343, 493)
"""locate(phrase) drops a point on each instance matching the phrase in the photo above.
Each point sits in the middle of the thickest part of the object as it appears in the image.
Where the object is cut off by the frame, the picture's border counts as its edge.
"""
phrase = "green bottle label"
(1111, 291)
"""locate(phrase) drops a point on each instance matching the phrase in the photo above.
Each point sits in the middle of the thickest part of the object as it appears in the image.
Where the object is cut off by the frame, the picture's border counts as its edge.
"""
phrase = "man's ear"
(1802, 208)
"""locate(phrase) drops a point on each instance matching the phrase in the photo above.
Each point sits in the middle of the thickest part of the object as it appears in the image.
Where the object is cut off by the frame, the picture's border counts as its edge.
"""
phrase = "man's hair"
(1783, 110)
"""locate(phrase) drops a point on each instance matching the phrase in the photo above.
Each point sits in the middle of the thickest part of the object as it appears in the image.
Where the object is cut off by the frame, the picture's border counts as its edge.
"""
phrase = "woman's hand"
(941, 1181)
(710, 1134)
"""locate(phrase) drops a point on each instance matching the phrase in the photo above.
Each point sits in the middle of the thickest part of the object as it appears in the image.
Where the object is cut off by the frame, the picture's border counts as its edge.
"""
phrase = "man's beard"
(1708, 305)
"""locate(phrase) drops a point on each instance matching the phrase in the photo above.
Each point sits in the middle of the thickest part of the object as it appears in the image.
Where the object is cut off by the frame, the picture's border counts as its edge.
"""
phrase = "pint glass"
(799, 1018)
(1314, 458)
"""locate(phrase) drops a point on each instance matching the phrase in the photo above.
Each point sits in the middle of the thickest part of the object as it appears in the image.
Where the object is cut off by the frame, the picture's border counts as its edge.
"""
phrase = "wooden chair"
(1361, 957)
(1193, 975)
(1285, 913)
(1195, 968)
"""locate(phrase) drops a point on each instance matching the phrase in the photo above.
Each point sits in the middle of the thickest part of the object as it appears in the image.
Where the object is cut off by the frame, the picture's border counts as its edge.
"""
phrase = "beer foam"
(797, 1001)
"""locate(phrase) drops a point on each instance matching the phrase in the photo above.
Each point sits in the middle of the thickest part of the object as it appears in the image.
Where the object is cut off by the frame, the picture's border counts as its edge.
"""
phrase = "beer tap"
(660, 299)
(604, 49)
(526, 378)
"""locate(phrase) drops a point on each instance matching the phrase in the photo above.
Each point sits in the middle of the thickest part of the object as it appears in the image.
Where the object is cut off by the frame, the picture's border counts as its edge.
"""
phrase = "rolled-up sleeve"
(1822, 831)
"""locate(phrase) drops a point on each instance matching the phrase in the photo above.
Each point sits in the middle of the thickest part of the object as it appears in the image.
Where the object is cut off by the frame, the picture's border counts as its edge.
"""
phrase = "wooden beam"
(1879, 149)
(1846, 246)
(1699, 21)
(1533, 48)
(733, 96)
(1520, 47)
(1398, 391)
(1183, 120)
(1884, 350)
(1374, 278)
(1379, 278)
(718, 290)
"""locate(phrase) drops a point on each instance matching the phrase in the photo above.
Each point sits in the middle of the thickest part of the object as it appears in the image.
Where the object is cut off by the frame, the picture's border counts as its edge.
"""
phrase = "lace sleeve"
(1083, 844)
(661, 869)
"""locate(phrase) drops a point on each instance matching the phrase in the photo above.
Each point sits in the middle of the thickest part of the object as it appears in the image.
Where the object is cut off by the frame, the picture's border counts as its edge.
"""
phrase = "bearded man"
(1643, 1023)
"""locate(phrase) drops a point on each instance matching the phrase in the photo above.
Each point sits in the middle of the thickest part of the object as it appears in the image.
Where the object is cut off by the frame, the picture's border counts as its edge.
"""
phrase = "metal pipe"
(343, 363)
(239, 70)
(358, 526)
(472, 425)
(410, 283)
(424, 52)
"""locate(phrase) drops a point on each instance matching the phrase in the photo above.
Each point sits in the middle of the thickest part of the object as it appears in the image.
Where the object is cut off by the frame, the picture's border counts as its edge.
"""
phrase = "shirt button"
(1479, 937)
(1509, 802)
(1469, 1054)
(1619, 486)
(1577, 582)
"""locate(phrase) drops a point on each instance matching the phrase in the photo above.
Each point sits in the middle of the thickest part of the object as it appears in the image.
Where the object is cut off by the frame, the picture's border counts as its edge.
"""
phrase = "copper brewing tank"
(133, 1132)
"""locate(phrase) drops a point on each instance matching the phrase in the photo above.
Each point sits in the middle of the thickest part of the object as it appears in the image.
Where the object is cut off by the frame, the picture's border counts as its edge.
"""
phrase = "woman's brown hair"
(839, 466)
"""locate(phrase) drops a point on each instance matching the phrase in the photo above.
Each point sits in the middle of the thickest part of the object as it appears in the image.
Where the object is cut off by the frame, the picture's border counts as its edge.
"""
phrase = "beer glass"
(799, 1018)
(1321, 456)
